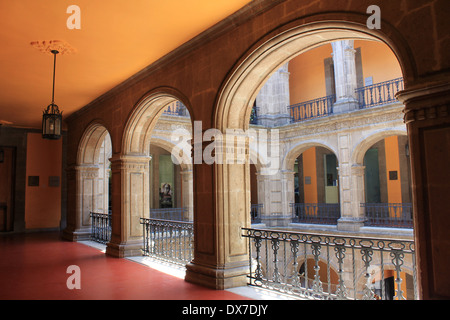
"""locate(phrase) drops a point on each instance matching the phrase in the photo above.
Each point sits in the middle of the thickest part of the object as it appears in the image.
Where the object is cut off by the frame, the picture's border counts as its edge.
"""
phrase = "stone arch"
(142, 120)
(366, 141)
(184, 159)
(90, 174)
(235, 101)
(238, 92)
(130, 171)
(90, 143)
(297, 149)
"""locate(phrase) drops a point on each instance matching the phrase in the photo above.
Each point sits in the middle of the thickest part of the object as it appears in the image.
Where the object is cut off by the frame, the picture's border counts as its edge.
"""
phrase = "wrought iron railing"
(312, 109)
(167, 240)
(394, 215)
(256, 212)
(379, 93)
(100, 227)
(318, 266)
(317, 213)
(174, 214)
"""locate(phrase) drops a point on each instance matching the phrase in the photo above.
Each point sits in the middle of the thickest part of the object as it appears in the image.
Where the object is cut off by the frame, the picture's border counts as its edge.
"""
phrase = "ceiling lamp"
(52, 117)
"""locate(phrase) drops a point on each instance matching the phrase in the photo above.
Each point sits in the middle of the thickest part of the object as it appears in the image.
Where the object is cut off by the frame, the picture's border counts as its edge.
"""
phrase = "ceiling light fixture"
(52, 117)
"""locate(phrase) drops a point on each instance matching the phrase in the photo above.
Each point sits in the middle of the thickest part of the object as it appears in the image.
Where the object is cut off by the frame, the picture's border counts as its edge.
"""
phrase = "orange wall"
(43, 203)
(309, 169)
(307, 74)
(378, 61)
(394, 187)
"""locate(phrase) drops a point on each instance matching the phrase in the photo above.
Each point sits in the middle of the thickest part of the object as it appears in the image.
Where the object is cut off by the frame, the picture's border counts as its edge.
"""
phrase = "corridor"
(33, 266)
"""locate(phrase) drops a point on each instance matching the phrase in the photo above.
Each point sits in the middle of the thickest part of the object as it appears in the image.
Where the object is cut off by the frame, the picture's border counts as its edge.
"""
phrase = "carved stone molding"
(430, 102)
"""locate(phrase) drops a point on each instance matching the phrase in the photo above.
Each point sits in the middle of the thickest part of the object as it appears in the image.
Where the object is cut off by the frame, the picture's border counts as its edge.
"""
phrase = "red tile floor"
(33, 266)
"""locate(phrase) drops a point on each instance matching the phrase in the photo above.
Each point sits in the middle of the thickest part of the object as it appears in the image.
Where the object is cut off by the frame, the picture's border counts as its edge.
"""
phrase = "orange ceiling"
(117, 39)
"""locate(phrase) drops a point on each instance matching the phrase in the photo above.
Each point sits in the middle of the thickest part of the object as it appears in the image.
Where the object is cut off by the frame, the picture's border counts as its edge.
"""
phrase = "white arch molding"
(130, 171)
(91, 183)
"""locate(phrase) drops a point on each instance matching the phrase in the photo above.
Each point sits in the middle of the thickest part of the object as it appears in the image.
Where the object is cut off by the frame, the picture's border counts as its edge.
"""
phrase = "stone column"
(288, 196)
(81, 202)
(273, 99)
(262, 182)
(187, 179)
(351, 187)
(427, 117)
(221, 209)
(130, 202)
(345, 76)
(276, 192)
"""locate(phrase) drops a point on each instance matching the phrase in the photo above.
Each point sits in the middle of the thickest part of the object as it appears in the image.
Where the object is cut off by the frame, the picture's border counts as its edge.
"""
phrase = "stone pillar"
(427, 117)
(273, 100)
(345, 76)
(81, 202)
(351, 187)
(188, 193)
(130, 202)
(262, 182)
(276, 192)
(221, 209)
(288, 196)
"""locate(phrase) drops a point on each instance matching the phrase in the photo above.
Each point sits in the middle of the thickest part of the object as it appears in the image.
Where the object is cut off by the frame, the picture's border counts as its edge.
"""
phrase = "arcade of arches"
(219, 76)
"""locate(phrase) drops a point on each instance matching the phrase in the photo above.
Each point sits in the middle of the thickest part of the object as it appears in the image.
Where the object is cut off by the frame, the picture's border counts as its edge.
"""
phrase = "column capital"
(130, 161)
(358, 170)
(426, 102)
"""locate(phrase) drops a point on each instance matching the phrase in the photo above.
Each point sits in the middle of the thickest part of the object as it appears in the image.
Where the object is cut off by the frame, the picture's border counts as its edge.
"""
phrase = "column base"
(276, 221)
(130, 249)
(76, 235)
(345, 105)
(216, 278)
(350, 224)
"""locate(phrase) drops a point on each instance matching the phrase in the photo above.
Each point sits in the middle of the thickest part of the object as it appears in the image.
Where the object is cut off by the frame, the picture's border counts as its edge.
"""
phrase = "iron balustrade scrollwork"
(379, 93)
(394, 215)
(168, 240)
(330, 267)
(312, 109)
(100, 227)
(317, 213)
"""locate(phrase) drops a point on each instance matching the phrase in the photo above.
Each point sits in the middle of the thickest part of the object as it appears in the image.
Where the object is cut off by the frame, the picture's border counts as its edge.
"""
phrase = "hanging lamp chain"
(53, 106)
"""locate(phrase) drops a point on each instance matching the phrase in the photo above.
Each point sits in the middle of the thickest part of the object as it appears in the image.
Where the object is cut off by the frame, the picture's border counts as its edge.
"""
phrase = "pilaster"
(130, 202)
(82, 203)
(427, 117)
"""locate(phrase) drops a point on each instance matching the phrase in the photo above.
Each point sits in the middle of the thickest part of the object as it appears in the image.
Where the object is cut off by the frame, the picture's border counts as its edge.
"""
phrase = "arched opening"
(171, 179)
(93, 186)
(316, 187)
(388, 194)
(146, 162)
(236, 107)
